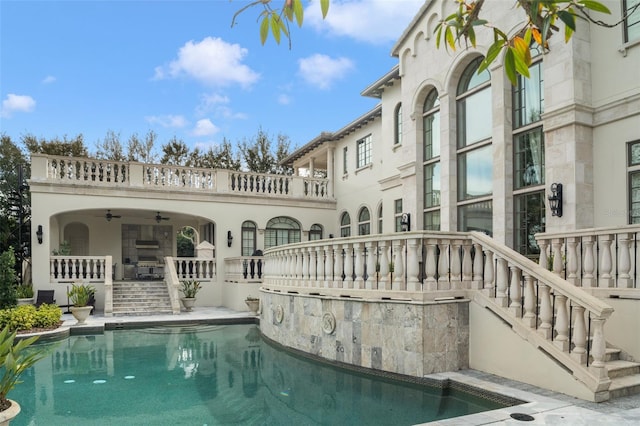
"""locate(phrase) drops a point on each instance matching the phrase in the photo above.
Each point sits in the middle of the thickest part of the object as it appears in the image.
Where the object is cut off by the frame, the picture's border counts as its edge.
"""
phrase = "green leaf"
(439, 34)
(596, 6)
(275, 27)
(471, 34)
(568, 18)
(520, 62)
(479, 22)
(264, 30)
(509, 66)
(448, 35)
(324, 6)
(492, 54)
(298, 10)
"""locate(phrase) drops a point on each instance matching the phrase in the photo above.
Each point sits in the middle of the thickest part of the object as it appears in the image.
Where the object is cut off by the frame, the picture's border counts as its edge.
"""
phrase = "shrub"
(8, 279)
(26, 317)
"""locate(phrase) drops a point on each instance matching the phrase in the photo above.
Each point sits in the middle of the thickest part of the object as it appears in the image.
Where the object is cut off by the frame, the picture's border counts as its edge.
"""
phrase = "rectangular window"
(632, 23)
(431, 124)
(431, 185)
(633, 162)
(248, 242)
(432, 220)
(344, 160)
(528, 161)
(398, 214)
(475, 173)
(363, 151)
(528, 97)
(476, 217)
(529, 220)
(474, 118)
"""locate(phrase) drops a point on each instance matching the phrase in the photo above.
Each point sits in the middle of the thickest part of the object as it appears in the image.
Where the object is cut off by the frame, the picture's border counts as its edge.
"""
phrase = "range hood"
(147, 244)
(146, 240)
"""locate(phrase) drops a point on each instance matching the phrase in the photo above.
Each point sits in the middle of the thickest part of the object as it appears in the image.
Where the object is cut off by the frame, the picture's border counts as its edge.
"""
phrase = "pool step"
(141, 298)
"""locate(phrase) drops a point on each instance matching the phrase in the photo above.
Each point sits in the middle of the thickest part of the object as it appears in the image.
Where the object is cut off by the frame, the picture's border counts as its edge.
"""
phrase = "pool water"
(214, 375)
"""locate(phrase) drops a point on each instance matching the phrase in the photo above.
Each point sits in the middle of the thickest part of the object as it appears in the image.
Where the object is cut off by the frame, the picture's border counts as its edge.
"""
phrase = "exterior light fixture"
(39, 234)
(405, 222)
(229, 238)
(555, 199)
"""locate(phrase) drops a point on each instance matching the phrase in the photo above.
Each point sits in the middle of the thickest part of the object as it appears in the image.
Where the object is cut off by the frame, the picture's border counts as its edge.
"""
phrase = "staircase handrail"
(173, 284)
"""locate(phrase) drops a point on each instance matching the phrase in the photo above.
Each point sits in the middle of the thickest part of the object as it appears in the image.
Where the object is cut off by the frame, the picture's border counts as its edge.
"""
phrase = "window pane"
(475, 173)
(634, 190)
(364, 151)
(431, 185)
(474, 118)
(528, 97)
(432, 220)
(476, 217)
(632, 23)
(634, 153)
(529, 220)
(528, 151)
(398, 135)
(431, 124)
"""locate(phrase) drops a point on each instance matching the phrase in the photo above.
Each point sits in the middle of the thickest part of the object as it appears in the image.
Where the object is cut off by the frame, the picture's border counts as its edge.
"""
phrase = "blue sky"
(179, 69)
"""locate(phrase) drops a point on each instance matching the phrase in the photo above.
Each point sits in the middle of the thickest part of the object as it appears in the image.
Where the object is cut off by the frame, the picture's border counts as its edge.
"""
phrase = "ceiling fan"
(110, 216)
(159, 218)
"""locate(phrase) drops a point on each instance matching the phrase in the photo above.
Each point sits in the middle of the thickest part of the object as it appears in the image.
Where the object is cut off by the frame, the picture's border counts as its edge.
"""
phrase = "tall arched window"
(315, 232)
(281, 230)
(380, 219)
(248, 238)
(345, 225)
(431, 160)
(364, 222)
(397, 140)
(475, 154)
(528, 158)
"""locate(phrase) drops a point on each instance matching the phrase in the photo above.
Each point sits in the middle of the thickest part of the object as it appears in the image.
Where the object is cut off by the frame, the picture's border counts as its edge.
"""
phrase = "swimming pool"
(215, 375)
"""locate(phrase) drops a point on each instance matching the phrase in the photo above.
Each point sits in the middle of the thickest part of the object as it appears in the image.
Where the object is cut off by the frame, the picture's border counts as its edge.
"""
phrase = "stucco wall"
(622, 329)
(399, 337)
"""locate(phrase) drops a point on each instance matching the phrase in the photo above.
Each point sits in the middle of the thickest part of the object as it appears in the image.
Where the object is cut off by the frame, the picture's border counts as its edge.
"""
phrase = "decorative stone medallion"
(279, 314)
(328, 323)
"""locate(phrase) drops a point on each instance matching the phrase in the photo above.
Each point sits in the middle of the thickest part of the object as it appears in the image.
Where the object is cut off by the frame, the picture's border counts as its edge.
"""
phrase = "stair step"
(612, 354)
(624, 386)
(619, 368)
(141, 298)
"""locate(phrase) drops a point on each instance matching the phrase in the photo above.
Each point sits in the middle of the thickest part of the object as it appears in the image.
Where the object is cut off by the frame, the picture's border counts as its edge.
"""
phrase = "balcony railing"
(121, 174)
(420, 266)
(243, 269)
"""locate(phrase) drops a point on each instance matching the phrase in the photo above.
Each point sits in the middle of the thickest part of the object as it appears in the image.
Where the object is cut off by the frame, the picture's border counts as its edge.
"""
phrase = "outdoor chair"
(45, 296)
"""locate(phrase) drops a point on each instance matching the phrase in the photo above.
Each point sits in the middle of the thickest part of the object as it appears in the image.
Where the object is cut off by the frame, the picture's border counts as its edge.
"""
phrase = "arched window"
(380, 219)
(345, 225)
(248, 238)
(281, 230)
(398, 125)
(364, 222)
(431, 161)
(315, 232)
(475, 153)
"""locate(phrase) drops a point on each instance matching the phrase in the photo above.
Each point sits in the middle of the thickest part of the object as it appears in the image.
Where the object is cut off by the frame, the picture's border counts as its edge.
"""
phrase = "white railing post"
(478, 267)
(488, 272)
(399, 282)
(467, 264)
(502, 276)
(572, 260)
(515, 292)
(430, 267)
(348, 266)
(370, 248)
(588, 265)
(338, 266)
(456, 265)
(624, 261)
(529, 302)
(605, 279)
(383, 255)
(358, 249)
(413, 265)
(579, 352)
(562, 323)
(444, 281)
(546, 312)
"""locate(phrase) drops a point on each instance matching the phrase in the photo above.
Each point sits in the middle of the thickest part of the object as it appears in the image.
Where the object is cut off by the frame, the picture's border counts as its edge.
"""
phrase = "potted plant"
(15, 359)
(253, 303)
(189, 289)
(24, 293)
(80, 295)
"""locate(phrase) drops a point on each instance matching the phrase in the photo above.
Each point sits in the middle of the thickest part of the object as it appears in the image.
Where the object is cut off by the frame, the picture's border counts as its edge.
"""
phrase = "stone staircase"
(624, 375)
(140, 298)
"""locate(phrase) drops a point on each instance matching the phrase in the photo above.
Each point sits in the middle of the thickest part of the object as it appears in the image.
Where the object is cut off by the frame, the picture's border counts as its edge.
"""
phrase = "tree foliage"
(175, 152)
(110, 148)
(63, 147)
(260, 156)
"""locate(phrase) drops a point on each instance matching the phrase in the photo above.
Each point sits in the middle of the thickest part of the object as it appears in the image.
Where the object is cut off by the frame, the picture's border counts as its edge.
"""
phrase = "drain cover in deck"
(522, 417)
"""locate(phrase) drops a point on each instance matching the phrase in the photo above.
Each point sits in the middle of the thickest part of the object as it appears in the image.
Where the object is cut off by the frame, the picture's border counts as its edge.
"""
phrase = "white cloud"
(370, 21)
(48, 79)
(284, 99)
(167, 120)
(211, 61)
(17, 103)
(322, 70)
(204, 127)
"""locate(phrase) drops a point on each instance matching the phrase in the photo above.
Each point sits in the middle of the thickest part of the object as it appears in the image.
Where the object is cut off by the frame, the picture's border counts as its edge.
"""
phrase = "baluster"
(444, 282)
(543, 261)
(488, 272)
(431, 284)
(297, 274)
(399, 282)
(558, 263)
(529, 302)
(624, 261)
(338, 265)
(384, 284)
(579, 336)
(546, 311)
(515, 292)
(561, 340)
(572, 260)
(598, 348)
(605, 280)
(358, 248)
(348, 266)
(325, 257)
(313, 267)
(502, 278)
(413, 265)
(304, 258)
(52, 269)
(456, 265)
(371, 284)
(478, 270)
(588, 266)
(467, 264)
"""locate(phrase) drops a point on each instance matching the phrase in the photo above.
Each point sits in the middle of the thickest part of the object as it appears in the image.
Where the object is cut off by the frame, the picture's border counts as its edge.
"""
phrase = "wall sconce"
(405, 222)
(555, 199)
(39, 234)
(229, 238)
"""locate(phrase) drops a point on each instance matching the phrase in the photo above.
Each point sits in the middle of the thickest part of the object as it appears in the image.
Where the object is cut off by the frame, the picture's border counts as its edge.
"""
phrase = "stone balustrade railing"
(173, 283)
(243, 269)
(420, 266)
(164, 177)
(193, 268)
(80, 268)
(595, 259)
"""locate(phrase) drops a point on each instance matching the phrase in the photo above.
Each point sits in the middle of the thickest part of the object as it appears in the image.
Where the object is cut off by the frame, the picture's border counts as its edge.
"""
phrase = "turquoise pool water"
(214, 375)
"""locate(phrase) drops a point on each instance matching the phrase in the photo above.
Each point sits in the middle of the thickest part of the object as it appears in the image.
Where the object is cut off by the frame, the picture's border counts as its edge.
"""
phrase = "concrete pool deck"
(546, 407)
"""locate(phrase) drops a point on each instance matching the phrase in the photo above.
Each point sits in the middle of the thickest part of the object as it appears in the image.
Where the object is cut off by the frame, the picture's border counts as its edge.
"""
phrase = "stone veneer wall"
(395, 336)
